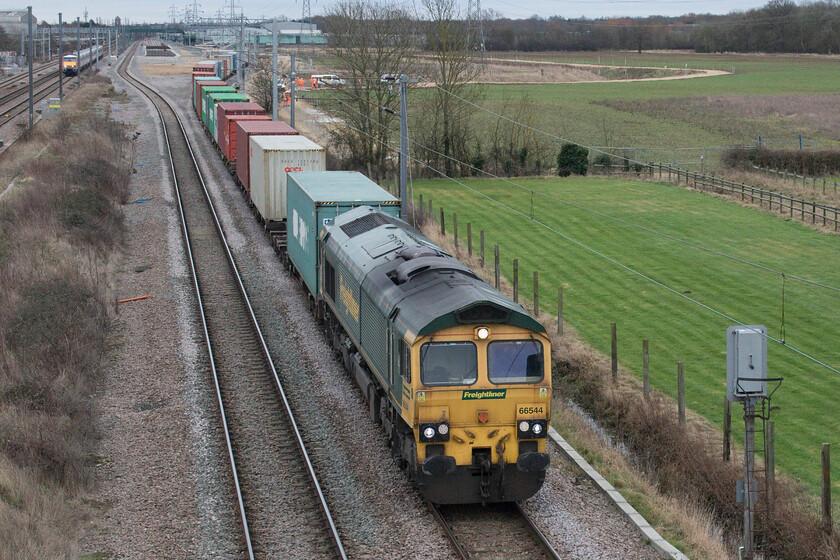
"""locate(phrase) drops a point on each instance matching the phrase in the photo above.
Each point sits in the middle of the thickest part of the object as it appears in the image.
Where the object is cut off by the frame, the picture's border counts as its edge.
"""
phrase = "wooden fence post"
(431, 212)
(825, 502)
(560, 310)
(455, 229)
(442, 222)
(727, 428)
(516, 280)
(614, 352)
(481, 241)
(770, 459)
(681, 392)
(421, 203)
(496, 253)
(469, 239)
(646, 368)
(536, 294)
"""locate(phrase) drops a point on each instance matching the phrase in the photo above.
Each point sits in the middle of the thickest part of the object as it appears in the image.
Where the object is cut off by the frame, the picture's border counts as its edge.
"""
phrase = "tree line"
(779, 26)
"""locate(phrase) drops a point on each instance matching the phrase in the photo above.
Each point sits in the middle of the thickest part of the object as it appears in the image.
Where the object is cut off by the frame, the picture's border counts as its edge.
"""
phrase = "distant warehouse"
(14, 21)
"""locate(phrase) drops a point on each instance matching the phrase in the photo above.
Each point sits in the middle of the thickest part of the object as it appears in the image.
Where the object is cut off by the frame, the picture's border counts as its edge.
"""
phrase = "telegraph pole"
(60, 58)
(78, 51)
(292, 77)
(30, 56)
(403, 144)
(274, 71)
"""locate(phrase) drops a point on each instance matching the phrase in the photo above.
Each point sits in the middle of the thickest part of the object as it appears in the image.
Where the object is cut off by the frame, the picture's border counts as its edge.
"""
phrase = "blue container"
(314, 199)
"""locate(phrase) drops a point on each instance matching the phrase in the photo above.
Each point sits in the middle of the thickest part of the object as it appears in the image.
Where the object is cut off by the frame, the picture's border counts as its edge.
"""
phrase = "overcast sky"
(159, 10)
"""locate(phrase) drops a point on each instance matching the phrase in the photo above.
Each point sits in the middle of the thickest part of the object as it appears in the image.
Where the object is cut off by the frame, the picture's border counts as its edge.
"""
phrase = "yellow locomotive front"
(481, 410)
(69, 64)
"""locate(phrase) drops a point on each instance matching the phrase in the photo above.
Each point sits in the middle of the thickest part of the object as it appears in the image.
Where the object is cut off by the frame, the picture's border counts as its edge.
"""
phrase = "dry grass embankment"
(59, 224)
(672, 474)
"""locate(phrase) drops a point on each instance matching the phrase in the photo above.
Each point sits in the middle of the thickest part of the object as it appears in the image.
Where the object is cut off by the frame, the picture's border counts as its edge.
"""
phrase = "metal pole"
(30, 55)
(274, 71)
(60, 57)
(292, 76)
(78, 51)
(109, 44)
(240, 78)
(403, 144)
(49, 45)
(749, 498)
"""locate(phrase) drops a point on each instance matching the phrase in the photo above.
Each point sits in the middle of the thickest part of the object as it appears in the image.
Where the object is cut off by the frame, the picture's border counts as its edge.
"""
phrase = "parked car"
(329, 79)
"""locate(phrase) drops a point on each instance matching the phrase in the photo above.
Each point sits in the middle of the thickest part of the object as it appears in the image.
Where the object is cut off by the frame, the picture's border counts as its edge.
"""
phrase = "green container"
(212, 100)
(208, 90)
(203, 80)
(315, 198)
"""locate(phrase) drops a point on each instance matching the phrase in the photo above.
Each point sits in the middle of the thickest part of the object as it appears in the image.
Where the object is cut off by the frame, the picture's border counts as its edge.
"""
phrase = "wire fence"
(803, 210)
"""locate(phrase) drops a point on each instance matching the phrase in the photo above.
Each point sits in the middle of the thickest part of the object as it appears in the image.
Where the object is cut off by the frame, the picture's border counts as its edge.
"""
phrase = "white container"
(271, 159)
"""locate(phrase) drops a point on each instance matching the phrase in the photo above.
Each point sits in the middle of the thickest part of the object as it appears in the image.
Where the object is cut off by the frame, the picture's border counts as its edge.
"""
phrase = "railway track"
(494, 531)
(282, 509)
(16, 101)
(43, 69)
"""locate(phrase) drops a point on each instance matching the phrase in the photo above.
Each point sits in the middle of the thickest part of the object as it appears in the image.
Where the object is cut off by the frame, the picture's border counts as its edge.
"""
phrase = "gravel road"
(162, 479)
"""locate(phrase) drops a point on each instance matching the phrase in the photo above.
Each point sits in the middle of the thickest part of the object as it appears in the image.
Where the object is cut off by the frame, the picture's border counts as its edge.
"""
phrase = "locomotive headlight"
(443, 429)
(429, 433)
(482, 333)
(536, 428)
(524, 426)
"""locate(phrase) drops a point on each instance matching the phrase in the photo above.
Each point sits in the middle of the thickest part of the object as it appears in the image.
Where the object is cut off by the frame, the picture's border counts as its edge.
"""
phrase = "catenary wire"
(606, 257)
(783, 274)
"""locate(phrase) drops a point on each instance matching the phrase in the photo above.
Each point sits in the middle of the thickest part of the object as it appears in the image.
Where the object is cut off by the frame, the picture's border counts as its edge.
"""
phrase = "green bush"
(572, 159)
(603, 160)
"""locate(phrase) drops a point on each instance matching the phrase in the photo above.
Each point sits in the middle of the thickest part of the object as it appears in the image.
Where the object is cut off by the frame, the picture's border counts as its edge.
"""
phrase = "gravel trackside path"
(160, 467)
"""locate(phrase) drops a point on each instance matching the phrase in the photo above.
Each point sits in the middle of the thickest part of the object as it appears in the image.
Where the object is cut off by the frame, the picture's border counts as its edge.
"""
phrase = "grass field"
(598, 292)
(775, 97)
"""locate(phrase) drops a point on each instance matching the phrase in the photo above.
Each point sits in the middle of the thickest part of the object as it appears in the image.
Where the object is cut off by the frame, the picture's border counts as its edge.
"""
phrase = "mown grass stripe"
(597, 292)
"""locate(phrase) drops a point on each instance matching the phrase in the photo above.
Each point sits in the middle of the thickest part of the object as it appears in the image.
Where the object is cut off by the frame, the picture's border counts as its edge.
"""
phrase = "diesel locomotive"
(457, 375)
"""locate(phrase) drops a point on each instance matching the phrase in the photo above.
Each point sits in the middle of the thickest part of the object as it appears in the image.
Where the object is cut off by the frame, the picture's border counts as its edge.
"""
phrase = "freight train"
(72, 65)
(455, 373)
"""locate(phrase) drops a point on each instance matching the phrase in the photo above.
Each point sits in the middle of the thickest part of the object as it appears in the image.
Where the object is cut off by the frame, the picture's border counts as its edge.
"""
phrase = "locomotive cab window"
(405, 362)
(329, 279)
(515, 361)
(448, 363)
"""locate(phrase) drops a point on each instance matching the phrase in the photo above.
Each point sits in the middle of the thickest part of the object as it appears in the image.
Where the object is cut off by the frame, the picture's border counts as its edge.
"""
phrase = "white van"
(329, 79)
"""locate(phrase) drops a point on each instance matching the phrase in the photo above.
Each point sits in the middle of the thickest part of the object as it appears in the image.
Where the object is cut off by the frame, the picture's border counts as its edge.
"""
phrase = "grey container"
(272, 158)
(314, 199)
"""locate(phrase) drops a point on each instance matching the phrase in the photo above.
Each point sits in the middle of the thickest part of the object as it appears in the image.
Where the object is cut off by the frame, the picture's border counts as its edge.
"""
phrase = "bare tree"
(368, 40)
(445, 124)
(259, 83)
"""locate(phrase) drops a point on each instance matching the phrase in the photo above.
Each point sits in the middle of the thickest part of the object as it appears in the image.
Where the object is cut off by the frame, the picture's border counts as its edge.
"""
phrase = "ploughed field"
(598, 292)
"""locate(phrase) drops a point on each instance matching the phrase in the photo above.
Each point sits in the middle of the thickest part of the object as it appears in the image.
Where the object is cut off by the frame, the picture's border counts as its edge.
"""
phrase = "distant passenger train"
(70, 65)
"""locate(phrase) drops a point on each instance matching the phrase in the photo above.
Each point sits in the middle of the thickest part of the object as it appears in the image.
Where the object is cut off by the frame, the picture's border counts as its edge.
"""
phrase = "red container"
(227, 133)
(205, 66)
(244, 130)
(201, 86)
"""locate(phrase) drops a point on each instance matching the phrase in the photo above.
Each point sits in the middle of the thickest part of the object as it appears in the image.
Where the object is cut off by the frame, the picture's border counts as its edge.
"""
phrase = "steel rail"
(537, 533)
(24, 75)
(24, 89)
(137, 84)
(449, 533)
(538, 536)
(266, 353)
